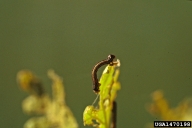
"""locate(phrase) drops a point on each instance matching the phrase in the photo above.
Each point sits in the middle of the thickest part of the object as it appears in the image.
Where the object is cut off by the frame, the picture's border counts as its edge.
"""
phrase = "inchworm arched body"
(96, 83)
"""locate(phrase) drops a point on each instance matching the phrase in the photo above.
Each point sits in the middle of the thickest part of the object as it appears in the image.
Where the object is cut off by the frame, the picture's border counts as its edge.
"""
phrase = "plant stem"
(114, 114)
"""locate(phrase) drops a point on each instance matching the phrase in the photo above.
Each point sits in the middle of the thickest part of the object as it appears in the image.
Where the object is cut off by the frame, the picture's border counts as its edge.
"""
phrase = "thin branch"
(114, 115)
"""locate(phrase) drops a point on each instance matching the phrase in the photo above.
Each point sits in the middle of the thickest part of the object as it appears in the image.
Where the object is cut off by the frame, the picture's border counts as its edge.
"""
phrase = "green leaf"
(108, 92)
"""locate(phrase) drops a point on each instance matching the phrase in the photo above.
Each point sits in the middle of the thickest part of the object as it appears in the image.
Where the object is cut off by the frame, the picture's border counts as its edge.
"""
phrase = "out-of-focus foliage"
(30, 83)
(161, 109)
(100, 116)
(54, 112)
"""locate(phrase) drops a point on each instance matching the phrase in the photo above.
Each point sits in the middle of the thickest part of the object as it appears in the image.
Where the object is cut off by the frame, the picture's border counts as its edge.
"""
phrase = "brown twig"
(114, 115)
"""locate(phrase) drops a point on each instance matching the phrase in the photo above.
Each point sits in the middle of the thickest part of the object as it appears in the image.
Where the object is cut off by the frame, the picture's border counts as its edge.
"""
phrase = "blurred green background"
(152, 38)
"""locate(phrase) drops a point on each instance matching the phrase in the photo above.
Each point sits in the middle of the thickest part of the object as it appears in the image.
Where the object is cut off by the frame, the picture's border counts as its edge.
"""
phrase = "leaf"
(101, 116)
